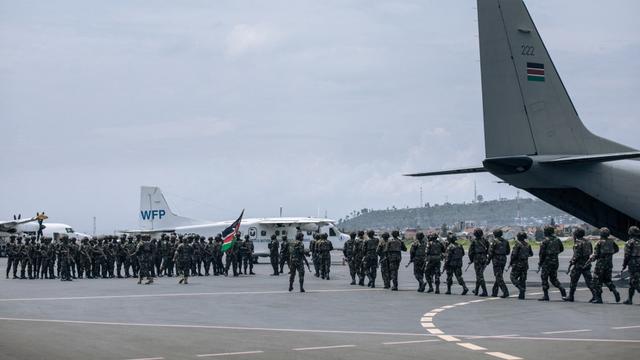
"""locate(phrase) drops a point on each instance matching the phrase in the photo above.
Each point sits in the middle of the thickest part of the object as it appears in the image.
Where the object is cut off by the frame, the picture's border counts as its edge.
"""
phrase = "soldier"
(453, 264)
(324, 246)
(182, 258)
(11, 255)
(207, 256)
(243, 255)
(384, 261)
(44, 256)
(603, 255)
(217, 254)
(550, 247)
(315, 254)
(129, 261)
(109, 256)
(85, 259)
(394, 249)
(273, 254)
(37, 259)
(24, 258)
(284, 254)
(478, 257)
(435, 251)
(51, 259)
(579, 264)
(371, 258)
(144, 253)
(417, 256)
(348, 251)
(121, 256)
(632, 260)
(232, 258)
(64, 258)
(358, 257)
(519, 263)
(498, 251)
(297, 262)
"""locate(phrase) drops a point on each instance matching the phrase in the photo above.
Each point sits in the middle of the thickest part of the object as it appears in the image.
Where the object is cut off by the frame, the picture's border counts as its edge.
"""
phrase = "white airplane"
(29, 227)
(156, 218)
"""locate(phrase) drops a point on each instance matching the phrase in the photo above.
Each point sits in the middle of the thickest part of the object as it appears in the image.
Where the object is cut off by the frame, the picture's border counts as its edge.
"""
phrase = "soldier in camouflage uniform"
(478, 257)
(580, 266)
(358, 257)
(384, 261)
(217, 254)
(519, 263)
(51, 258)
(182, 259)
(284, 254)
(324, 246)
(274, 249)
(25, 263)
(453, 264)
(435, 252)
(371, 258)
(144, 253)
(632, 260)
(207, 256)
(550, 247)
(315, 254)
(297, 262)
(498, 251)
(11, 256)
(417, 256)
(84, 258)
(121, 255)
(603, 256)
(64, 258)
(348, 251)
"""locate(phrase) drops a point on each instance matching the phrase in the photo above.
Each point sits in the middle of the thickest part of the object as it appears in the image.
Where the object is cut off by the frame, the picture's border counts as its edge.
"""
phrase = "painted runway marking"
(133, 296)
(462, 303)
(565, 331)
(231, 353)
(428, 325)
(430, 314)
(324, 347)
(471, 346)
(448, 338)
(435, 331)
(437, 310)
(448, 307)
(566, 339)
(217, 327)
(625, 327)
(503, 356)
(151, 358)
(410, 342)
(426, 319)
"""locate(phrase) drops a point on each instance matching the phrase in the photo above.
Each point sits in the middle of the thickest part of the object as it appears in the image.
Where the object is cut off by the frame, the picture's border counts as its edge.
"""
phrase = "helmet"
(299, 236)
(634, 231)
(273, 237)
(246, 237)
(353, 235)
(284, 237)
(522, 236)
(549, 230)
(419, 235)
(605, 232)
(324, 236)
(360, 233)
(452, 238)
(477, 232)
(395, 233)
(497, 232)
(579, 233)
(385, 235)
(371, 234)
(432, 236)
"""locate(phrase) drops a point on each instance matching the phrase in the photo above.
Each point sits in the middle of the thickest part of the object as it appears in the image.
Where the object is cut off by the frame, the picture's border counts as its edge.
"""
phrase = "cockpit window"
(69, 230)
(332, 232)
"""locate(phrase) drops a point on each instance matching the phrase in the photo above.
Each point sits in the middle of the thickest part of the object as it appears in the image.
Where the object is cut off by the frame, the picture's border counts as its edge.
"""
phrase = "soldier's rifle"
(539, 267)
(571, 265)
(469, 264)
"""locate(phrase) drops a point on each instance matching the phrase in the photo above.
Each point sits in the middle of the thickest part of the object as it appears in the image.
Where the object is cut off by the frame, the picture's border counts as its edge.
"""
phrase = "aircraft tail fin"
(155, 212)
(527, 110)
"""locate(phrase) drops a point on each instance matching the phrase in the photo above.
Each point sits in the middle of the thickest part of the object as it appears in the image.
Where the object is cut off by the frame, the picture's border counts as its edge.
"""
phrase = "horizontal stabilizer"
(470, 170)
(593, 158)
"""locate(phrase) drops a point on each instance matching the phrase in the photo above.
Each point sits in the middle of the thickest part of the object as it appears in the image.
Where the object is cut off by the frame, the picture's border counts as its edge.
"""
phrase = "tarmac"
(255, 317)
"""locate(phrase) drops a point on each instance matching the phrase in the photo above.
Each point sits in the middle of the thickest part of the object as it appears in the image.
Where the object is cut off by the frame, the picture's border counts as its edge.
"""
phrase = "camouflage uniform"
(632, 260)
(453, 265)
(182, 259)
(315, 254)
(384, 262)
(274, 248)
(324, 246)
(284, 254)
(64, 258)
(435, 253)
(417, 255)
(498, 251)
(297, 262)
(358, 257)
(207, 256)
(582, 250)
(371, 258)
(550, 247)
(478, 256)
(231, 260)
(348, 251)
(11, 256)
(519, 264)
(144, 252)
(217, 255)
(603, 255)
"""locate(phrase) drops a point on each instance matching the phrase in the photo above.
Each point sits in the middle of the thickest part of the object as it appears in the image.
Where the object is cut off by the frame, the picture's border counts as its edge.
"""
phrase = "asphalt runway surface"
(255, 317)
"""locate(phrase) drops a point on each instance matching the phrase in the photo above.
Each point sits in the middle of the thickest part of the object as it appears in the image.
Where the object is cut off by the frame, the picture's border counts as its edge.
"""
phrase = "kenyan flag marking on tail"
(229, 234)
(535, 72)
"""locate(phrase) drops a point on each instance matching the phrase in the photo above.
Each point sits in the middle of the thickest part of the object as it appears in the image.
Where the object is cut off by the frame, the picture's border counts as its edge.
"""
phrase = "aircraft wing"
(469, 170)
(145, 232)
(593, 158)
(10, 226)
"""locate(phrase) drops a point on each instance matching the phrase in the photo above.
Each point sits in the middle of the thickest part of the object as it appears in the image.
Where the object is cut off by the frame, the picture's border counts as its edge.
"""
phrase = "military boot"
(430, 286)
(629, 301)
(421, 286)
(544, 297)
(448, 290)
(616, 294)
(494, 290)
(465, 290)
(301, 285)
(438, 288)
(361, 282)
(505, 292)
(570, 298)
(475, 291)
(186, 280)
(149, 281)
(139, 281)
(484, 290)
(353, 280)
(597, 299)
(181, 280)
(521, 295)
(563, 292)
(291, 285)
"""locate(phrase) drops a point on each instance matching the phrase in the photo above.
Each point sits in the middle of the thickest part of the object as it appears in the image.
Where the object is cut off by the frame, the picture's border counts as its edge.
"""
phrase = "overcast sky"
(260, 104)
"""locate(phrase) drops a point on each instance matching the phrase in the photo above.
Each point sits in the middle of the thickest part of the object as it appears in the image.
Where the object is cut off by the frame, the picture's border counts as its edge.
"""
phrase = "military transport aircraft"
(156, 218)
(30, 227)
(534, 138)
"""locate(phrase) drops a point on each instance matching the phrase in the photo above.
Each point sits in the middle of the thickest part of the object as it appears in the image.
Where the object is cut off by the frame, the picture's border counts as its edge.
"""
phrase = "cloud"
(245, 38)
(169, 130)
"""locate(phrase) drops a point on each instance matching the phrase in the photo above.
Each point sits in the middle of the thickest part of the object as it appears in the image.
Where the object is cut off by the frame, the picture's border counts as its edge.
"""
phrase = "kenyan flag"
(229, 234)
(535, 72)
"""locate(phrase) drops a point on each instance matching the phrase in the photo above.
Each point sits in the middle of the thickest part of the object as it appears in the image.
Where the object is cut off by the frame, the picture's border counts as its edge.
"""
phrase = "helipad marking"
(565, 331)
(435, 331)
(231, 353)
(409, 342)
(503, 356)
(324, 347)
(471, 346)
(448, 338)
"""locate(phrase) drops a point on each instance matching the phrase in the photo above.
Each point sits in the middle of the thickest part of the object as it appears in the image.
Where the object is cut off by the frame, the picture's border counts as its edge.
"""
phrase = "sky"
(315, 106)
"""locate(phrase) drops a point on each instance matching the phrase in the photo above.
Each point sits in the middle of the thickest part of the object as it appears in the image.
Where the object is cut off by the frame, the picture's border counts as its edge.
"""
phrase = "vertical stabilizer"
(527, 110)
(155, 212)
